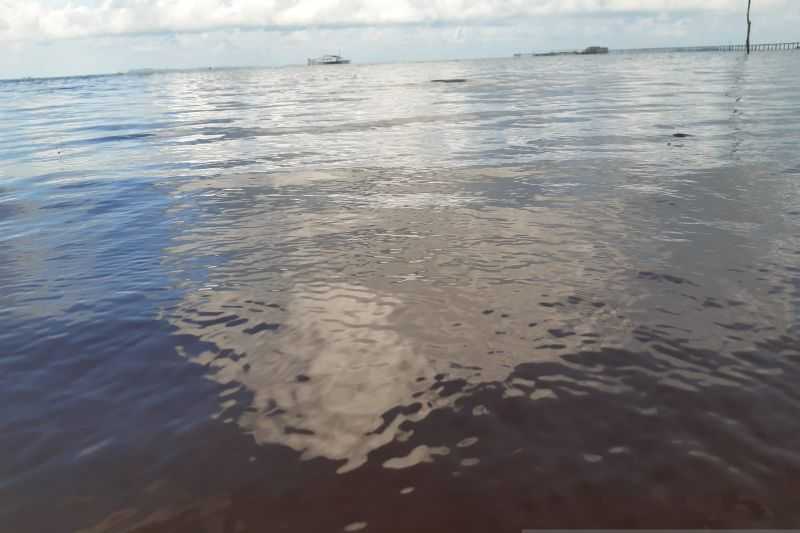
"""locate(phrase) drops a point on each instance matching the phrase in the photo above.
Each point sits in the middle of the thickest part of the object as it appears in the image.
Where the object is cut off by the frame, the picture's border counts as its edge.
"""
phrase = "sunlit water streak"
(321, 298)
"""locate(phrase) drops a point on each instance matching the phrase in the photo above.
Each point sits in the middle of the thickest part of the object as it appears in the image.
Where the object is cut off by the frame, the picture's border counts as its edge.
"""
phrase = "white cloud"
(51, 19)
(125, 34)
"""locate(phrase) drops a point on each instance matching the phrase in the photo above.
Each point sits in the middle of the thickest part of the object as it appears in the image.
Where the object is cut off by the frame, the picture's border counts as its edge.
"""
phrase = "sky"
(69, 37)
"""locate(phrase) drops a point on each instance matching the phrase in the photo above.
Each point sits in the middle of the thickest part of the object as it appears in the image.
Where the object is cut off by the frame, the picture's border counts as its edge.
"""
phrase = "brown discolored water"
(353, 300)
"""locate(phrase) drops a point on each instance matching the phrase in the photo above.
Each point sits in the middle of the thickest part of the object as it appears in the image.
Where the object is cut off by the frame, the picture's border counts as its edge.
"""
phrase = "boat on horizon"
(329, 59)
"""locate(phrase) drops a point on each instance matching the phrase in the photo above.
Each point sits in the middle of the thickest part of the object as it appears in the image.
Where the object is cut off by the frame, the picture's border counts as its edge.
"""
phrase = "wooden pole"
(747, 42)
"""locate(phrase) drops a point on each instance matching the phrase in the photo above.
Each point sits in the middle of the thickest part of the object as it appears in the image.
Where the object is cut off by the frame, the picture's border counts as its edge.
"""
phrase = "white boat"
(328, 60)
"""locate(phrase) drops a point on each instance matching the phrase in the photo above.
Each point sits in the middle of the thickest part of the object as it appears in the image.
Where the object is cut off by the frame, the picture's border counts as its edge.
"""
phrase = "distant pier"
(760, 47)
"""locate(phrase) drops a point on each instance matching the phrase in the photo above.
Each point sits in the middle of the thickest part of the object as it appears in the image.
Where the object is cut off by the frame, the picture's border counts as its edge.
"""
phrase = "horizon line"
(144, 71)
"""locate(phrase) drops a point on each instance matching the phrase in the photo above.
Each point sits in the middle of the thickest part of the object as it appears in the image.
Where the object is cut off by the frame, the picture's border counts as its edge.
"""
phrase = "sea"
(563, 292)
